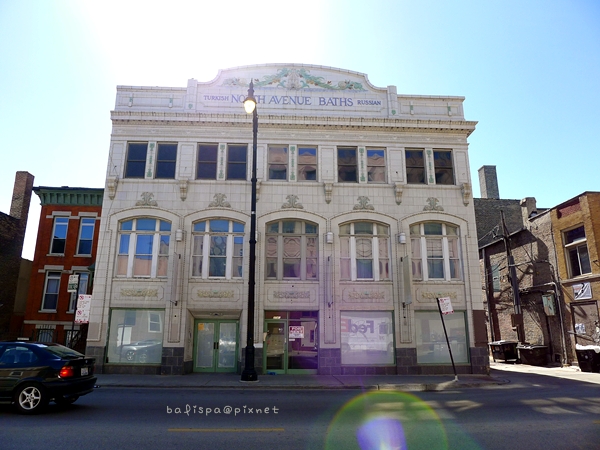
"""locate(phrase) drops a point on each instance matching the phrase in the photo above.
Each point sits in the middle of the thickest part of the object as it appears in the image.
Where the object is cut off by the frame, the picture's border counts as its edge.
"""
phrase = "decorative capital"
(363, 204)
(111, 186)
(183, 189)
(466, 192)
(220, 201)
(147, 200)
(398, 187)
(328, 192)
(432, 205)
(292, 202)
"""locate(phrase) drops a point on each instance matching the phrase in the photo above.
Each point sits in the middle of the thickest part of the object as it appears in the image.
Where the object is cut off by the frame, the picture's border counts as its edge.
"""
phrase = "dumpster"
(588, 357)
(504, 350)
(534, 355)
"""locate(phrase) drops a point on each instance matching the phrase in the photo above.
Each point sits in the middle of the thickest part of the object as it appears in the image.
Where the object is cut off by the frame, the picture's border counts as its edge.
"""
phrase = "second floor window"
(86, 236)
(444, 172)
(218, 249)
(347, 164)
(364, 251)
(135, 166)
(166, 159)
(307, 163)
(278, 162)
(143, 248)
(59, 235)
(435, 251)
(415, 166)
(376, 165)
(577, 252)
(292, 250)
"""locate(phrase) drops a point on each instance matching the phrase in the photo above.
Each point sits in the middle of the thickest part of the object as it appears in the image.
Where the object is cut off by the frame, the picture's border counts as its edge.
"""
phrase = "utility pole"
(514, 282)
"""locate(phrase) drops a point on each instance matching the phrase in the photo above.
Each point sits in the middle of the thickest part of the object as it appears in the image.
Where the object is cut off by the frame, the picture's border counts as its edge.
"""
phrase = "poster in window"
(582, 291)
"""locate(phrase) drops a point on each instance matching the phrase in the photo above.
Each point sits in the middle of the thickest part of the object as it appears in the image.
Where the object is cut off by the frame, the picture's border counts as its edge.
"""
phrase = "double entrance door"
(215, 345)
(291, 342)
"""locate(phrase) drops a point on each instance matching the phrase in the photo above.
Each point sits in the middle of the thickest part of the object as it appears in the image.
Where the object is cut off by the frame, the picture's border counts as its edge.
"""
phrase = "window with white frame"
(143, 248)
(218, 249)
(292, 250)
(576, 252)
(444, 172)
(135, 165)
(166, 160)
(435, 251)
(82, 289)
(86, 235)
(278, 162)
(51, 288)
(59, 235)
(365, 251)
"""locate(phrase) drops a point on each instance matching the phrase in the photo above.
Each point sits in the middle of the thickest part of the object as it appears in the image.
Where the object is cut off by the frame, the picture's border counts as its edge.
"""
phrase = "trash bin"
(588, 357)
(504, 350)
(534, 355)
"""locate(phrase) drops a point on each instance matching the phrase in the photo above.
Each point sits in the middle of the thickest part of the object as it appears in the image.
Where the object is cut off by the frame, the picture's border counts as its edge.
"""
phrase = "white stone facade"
(299, 106)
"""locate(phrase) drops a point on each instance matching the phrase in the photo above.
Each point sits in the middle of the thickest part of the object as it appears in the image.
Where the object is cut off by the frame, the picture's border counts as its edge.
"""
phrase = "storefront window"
(367, 338)
(431, 341)
(135, 336)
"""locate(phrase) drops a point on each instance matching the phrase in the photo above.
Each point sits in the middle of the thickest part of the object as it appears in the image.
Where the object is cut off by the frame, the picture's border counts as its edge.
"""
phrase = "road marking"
(227, 430)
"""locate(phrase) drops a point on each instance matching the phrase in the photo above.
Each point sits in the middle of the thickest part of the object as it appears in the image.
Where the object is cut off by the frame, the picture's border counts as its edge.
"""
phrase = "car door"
(9, 375)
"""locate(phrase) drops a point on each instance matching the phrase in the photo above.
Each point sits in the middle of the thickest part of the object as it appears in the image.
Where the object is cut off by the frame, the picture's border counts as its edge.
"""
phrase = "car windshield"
(61, 350)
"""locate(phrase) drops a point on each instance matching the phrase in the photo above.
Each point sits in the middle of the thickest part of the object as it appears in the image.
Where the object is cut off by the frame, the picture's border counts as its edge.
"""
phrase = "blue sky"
(530, 72)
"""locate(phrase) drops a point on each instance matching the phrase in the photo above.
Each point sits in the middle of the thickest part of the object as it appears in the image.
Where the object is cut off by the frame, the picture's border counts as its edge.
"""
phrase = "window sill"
(47, 311)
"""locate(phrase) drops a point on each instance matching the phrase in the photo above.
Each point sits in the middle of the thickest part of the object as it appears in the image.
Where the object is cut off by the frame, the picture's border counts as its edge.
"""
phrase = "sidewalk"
(500, 374)
(232, 381)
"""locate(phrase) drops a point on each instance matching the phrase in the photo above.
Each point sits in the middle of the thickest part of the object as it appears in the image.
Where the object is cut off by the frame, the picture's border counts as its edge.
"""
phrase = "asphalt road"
(531, 412)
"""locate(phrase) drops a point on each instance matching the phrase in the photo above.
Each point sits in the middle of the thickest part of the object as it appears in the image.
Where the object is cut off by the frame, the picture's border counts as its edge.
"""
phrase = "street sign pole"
(447, 340)
(73, 288)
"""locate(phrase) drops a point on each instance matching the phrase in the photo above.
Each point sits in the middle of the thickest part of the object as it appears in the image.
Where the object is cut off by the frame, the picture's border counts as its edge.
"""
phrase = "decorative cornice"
(70, 196)
(291, 121)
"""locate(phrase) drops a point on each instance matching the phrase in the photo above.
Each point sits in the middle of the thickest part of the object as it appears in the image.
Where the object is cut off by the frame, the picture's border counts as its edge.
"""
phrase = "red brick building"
(66, 245)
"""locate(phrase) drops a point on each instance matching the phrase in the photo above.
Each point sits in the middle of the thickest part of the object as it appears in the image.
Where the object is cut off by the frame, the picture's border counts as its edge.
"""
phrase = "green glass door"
(215, 346)
(291, 346)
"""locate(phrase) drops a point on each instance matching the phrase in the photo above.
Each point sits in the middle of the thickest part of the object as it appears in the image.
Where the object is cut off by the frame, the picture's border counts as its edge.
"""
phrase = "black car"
(146, 351)
(35, 373)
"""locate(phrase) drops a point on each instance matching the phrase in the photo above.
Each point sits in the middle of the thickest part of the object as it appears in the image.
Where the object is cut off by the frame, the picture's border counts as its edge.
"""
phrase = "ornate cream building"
(364, 218)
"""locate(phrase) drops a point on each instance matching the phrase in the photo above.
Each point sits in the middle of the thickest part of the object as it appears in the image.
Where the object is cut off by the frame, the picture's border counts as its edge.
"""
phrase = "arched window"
(292, 250)
(143, 248)
(218, 249)
(365, 251)
(435, 251)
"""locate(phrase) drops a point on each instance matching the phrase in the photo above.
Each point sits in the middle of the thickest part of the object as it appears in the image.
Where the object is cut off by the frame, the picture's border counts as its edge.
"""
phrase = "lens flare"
(386, 421)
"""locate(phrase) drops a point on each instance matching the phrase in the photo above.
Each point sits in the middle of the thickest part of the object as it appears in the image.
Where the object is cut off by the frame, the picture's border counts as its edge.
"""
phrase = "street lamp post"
(249, 373)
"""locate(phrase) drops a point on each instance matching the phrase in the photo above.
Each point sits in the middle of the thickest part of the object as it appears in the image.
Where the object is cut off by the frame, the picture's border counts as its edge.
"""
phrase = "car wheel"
(30, 398)
(130, 355)
(65, 401)
(143, 358)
